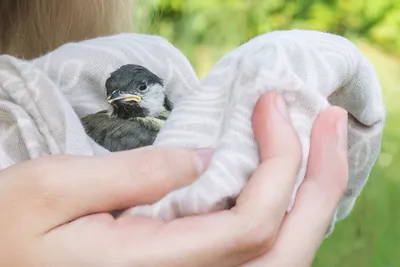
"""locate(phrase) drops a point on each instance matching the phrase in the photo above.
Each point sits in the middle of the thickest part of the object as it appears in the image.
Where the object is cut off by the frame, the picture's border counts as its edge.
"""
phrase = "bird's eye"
(143, 87)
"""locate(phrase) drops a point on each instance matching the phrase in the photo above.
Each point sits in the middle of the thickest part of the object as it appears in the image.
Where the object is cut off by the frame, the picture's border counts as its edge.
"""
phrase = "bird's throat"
(126, 111)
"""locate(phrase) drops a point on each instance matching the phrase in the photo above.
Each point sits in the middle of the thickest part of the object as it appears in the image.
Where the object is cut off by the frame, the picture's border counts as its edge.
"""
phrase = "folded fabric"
(42, 100)
(312, 70)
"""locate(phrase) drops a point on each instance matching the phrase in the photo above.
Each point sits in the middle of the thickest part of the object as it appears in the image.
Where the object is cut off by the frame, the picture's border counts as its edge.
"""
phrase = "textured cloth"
(42, 100)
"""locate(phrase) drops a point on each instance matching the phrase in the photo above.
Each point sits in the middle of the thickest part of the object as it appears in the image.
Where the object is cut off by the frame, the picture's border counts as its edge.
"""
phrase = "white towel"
(41, 102)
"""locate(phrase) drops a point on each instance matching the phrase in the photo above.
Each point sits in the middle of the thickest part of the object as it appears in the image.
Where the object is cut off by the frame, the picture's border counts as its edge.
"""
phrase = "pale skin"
(55, 210)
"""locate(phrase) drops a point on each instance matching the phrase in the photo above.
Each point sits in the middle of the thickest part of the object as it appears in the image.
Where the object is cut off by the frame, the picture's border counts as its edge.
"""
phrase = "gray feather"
(116, 134)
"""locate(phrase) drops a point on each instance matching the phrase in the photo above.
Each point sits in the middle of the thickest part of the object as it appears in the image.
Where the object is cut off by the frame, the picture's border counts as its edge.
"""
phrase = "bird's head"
(134, 91)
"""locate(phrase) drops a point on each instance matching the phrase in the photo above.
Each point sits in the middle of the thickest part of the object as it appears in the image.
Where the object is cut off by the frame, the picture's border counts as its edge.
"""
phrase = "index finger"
(59, 189)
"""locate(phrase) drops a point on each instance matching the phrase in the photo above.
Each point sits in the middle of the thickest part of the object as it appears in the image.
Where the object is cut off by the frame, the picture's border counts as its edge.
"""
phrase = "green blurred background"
(205, 30)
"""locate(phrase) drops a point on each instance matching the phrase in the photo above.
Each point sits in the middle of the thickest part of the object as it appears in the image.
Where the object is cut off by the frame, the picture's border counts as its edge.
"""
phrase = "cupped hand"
(56, 209)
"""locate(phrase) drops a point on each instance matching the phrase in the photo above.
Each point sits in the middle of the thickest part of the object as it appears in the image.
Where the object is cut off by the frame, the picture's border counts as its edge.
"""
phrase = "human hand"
(296, 240)
(57, 208)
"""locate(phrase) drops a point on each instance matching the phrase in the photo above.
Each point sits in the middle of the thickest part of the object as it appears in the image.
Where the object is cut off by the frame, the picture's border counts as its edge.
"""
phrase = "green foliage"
(205, 30)
(209, 21)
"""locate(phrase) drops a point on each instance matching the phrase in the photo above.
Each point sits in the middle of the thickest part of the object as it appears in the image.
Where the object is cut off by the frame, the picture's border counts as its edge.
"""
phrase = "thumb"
(62, 188)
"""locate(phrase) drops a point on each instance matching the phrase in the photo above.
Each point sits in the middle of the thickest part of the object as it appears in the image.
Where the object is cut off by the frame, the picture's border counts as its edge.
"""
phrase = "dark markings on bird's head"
(134, 91)
(168, 104)
(128, 110)
(131, 78)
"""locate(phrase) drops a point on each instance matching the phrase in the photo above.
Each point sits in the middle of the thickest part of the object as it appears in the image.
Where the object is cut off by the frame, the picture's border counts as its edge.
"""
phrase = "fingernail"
(203, 158)
(281, 106)
(341, 128)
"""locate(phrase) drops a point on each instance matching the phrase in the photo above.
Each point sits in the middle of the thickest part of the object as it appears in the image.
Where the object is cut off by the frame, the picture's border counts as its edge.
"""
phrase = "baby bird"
(139, 106)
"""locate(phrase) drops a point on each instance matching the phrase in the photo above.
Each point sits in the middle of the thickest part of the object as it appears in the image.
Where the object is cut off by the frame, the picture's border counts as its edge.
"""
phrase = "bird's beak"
(125, 97)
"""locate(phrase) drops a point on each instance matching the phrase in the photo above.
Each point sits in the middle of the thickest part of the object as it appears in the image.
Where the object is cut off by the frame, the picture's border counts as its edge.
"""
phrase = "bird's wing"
(117, 134)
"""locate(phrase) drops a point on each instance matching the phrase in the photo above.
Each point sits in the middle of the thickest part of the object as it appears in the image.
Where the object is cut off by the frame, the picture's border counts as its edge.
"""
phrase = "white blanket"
(42, 100)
